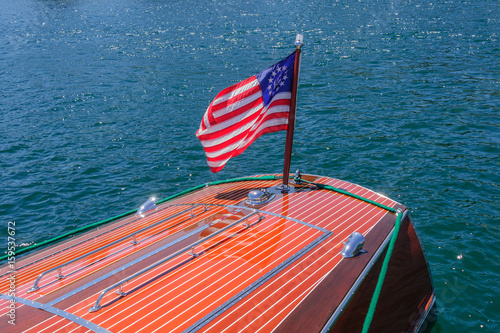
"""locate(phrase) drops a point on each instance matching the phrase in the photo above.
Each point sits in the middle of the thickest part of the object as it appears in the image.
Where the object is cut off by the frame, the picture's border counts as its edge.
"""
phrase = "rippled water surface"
(100, 102)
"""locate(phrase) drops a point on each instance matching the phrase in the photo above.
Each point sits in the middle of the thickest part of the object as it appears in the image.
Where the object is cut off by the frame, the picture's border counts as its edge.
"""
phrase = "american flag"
(243, 112)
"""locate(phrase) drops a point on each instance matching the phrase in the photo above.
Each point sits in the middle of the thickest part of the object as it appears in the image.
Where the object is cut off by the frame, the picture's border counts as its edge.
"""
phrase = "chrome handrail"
(159, 209)
(189, 249)
(134, 242)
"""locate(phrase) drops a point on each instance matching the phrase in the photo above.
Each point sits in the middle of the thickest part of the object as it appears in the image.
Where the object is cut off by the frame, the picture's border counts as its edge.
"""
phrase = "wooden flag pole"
(291, 115)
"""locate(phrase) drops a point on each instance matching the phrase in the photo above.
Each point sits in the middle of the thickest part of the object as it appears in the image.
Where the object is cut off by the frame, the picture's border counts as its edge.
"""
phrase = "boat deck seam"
(58, 312)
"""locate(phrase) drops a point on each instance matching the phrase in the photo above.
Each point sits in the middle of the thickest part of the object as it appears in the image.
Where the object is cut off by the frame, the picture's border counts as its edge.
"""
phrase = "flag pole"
(291, 114)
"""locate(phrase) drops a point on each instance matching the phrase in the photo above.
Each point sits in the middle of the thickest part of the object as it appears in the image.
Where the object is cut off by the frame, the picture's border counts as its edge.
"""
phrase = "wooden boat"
(215, 260)
(304, 253)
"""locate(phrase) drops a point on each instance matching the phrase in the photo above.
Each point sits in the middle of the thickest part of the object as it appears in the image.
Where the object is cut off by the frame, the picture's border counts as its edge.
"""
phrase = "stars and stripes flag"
(243, 112)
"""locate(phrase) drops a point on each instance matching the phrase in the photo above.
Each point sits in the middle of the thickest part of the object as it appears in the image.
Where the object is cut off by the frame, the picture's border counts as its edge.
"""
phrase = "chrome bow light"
(147, 206)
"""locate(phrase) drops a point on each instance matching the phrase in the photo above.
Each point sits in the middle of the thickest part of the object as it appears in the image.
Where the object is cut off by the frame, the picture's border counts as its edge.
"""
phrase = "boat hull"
(210, 260)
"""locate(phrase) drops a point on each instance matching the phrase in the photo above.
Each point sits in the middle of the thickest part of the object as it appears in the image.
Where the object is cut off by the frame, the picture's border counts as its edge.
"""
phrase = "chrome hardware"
(190, 250)
(36, 287)
(95, 308)
(120, 291)
(134, 240)
(283, 188)
(297, 177)
(258, 197)
(353, 246)
(147, 206)
(59, 274)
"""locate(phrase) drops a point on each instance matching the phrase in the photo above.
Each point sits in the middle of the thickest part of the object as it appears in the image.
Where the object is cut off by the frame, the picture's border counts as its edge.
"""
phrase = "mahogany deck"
(241, 276)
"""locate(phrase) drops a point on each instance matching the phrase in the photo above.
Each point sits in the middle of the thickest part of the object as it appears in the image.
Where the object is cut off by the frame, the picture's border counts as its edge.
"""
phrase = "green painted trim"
(332, 188)
(381, 277)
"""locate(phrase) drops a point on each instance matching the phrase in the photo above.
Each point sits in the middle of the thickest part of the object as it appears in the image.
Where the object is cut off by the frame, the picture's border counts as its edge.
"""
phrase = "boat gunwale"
(361, 277)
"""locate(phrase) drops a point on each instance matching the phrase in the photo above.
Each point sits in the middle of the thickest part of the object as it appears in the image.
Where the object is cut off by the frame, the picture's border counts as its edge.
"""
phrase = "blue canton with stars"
(277, 78)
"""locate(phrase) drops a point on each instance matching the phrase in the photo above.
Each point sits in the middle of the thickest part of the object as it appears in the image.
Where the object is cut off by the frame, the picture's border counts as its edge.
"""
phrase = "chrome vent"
(353, 246)
(258, 197)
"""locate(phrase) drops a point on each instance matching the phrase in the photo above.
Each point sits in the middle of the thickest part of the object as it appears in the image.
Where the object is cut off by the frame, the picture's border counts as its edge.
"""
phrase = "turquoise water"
(100, 102)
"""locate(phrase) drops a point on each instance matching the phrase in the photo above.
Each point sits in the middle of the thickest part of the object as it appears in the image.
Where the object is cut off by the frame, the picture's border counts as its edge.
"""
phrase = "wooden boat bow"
(213, 260)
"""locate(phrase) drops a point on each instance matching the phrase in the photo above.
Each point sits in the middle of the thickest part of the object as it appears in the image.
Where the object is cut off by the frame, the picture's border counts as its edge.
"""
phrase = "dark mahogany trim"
(405, 298)
(405, 293)
(317, 308)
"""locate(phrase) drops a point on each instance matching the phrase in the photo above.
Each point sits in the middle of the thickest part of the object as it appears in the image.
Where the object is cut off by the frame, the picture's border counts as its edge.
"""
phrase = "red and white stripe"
(237, 117)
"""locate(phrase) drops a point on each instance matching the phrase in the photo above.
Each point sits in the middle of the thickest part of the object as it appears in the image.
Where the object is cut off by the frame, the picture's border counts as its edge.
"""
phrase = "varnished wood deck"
(248, 278)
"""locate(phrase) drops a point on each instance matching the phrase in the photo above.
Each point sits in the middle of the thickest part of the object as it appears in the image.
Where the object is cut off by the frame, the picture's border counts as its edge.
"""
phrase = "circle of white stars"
(277, 79)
